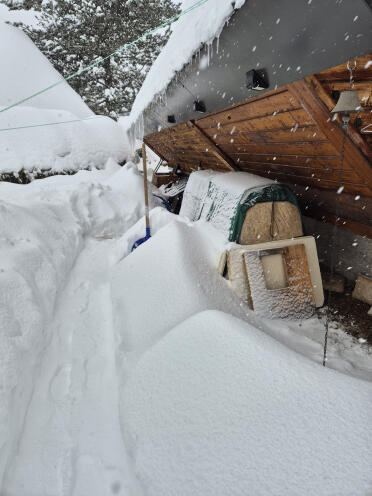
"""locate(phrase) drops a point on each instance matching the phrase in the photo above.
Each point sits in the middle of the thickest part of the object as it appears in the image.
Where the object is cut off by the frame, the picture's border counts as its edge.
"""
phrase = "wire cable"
(49, 123)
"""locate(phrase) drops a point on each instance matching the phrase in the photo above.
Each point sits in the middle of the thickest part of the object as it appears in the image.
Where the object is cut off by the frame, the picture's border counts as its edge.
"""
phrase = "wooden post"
(144, 161)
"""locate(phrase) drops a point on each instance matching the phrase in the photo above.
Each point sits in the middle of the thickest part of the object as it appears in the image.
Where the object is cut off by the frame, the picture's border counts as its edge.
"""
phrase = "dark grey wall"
(352, 254)
(290, 39)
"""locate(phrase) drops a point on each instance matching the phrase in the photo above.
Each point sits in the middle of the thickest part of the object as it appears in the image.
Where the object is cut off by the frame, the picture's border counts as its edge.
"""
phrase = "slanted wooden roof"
(287, 134)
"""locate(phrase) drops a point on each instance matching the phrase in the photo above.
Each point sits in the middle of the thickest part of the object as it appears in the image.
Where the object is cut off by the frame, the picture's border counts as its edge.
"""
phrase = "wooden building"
(286, 131)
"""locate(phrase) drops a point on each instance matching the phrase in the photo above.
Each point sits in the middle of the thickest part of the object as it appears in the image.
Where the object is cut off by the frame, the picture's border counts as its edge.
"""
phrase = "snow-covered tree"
(23, 4)
(73, 33)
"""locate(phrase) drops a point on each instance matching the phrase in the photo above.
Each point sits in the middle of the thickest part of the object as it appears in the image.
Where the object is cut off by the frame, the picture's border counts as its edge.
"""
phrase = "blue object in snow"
(140, 241)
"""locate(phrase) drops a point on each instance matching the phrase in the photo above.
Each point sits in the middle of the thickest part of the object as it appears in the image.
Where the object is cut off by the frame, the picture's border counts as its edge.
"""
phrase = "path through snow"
(71, 443)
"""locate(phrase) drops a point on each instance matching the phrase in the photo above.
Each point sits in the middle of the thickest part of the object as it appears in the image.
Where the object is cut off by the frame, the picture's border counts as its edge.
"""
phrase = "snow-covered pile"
(218, 408)
(42, 230)
(215, 196)
(189, 33)
(211, 404)
(70, 146)
(63, 147)
(180, 262)
(26, 71)
(96, 342)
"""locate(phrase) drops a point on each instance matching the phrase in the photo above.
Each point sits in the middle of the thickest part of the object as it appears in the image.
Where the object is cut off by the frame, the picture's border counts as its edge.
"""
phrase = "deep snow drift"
(69, 146)
(143, 373)
(48, 140)
(42, 231)
(219, 408)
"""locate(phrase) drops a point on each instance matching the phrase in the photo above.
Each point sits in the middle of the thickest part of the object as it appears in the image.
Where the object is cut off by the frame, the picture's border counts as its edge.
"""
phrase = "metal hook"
(351, 69)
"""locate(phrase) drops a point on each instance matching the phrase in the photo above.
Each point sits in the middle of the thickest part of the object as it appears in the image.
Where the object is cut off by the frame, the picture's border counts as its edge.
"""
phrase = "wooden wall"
(288, 134)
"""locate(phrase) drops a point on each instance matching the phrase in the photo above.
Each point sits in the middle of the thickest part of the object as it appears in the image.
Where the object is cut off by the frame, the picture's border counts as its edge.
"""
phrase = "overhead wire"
(49, 123)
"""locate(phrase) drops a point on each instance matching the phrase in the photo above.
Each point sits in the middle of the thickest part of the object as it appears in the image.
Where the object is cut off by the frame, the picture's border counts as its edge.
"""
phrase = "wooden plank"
(307, 149)
(298, 273)
(280, 120)
(314, 162)
(349, 177)
(360, 86)
(281, 98)
(341, 72)
(248, 111)
(213, 148)
(289, 135)
(319, 113)
(292, 179)
(264, 138)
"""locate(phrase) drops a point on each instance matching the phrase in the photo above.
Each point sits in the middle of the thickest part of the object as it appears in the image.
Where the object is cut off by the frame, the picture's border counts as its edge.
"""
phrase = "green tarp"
(271, 193)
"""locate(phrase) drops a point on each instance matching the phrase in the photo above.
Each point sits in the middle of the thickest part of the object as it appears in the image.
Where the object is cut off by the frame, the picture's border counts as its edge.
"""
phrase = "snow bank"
(159, 218)
(25, 70)
(180, 264)
(42, 230)
(63, 147)
(208, 404)
(189, 33)
(219, 408)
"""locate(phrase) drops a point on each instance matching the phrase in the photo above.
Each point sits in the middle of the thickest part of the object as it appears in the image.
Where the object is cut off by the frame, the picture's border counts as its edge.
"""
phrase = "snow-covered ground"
(144, 374)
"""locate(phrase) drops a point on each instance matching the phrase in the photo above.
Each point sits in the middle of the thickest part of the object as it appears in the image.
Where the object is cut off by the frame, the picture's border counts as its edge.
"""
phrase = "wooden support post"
(146, 187)
(221, 155)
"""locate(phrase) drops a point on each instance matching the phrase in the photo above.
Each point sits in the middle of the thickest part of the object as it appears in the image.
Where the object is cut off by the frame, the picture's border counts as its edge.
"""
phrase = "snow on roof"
(26, 16)
(189, 33)
(25, 70)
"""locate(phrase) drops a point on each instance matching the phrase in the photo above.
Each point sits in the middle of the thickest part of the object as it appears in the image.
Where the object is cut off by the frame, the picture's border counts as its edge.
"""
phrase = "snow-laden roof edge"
(200, 26)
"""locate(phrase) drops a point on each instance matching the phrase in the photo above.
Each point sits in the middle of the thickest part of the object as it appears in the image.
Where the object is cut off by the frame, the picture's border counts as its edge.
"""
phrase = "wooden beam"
(319, 113)
(147, 143)
(213, 148)
(358, 140)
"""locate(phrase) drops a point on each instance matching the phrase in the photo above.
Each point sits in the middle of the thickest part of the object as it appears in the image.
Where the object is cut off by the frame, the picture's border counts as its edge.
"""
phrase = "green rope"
(50, 123)
(99, 61)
